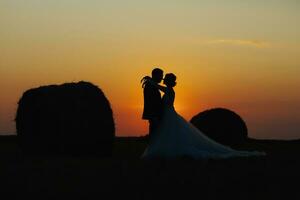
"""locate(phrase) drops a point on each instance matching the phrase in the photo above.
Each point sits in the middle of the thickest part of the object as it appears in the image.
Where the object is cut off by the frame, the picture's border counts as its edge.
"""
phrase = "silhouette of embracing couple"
(170, 135)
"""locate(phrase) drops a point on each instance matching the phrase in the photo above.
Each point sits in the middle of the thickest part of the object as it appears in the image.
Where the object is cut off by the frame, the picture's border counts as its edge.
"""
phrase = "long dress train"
(176, 137)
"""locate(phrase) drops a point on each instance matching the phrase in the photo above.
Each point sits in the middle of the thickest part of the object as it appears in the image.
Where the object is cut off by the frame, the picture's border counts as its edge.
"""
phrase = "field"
(126, 176)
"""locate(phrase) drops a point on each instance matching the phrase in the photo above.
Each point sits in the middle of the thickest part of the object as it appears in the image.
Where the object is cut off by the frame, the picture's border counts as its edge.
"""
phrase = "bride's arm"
(160, 87)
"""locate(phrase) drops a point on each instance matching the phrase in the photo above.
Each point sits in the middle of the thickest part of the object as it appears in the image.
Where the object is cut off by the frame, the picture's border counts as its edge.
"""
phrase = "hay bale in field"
(72, 118)
(222, 125)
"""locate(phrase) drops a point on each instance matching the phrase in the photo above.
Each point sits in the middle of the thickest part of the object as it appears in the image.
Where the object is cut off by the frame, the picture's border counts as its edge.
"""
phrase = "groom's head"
(157, 75)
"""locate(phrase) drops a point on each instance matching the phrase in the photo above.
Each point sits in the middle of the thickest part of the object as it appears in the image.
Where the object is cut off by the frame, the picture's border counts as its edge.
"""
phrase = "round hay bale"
(72, 118)
(222, 125)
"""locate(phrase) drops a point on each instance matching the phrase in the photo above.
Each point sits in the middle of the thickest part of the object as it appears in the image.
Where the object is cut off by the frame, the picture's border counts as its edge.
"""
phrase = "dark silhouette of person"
(152, 101)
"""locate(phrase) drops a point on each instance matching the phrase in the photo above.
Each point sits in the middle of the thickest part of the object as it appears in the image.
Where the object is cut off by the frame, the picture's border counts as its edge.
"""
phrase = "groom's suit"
(152, 107)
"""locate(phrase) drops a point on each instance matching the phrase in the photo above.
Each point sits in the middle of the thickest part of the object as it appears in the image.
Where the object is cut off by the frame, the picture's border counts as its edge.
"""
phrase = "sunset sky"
(242, 55)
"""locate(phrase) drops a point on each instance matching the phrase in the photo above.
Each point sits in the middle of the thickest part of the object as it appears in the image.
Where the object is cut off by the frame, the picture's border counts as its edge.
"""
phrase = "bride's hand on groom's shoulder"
(144, 80)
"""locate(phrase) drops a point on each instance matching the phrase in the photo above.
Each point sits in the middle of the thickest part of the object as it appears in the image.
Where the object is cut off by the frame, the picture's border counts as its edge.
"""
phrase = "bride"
(175, 137)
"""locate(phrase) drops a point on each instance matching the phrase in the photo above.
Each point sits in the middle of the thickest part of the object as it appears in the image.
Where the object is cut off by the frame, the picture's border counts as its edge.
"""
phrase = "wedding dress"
(176, 137)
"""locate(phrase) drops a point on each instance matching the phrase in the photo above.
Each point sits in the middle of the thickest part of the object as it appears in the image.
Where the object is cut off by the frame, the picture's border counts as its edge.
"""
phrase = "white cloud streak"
(238, 42)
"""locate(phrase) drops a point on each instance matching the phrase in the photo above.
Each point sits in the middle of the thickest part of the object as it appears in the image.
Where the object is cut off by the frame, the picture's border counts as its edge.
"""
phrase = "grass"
(126, 176)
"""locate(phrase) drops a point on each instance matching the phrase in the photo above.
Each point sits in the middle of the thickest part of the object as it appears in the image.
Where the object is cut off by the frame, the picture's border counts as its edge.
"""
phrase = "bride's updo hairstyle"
(170, 80)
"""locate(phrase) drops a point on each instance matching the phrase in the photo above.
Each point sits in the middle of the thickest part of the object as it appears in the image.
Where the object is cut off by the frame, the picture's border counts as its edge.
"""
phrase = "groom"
(152, 101)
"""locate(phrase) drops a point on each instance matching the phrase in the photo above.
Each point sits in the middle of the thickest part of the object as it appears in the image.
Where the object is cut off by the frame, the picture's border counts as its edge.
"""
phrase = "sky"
(240, 55)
